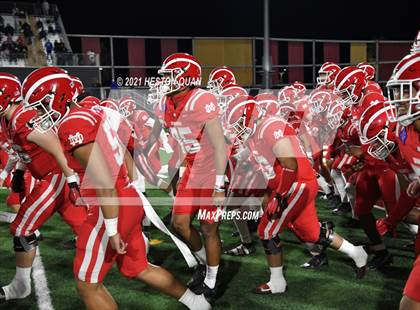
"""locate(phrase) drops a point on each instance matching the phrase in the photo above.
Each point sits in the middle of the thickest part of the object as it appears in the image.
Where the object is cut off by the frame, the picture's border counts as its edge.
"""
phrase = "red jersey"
(82, 126)
(271, 130)
(141, 125)
(186, 124)
(38, 161)
(409, 145)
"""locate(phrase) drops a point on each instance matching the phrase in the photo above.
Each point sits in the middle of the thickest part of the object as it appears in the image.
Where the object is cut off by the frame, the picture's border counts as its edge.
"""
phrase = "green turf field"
(333, 287)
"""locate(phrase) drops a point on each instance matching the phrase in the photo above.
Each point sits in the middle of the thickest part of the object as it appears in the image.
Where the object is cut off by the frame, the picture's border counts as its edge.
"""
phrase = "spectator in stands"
(46, 7)
(9, 30)
(48, 48)
(42, 34)
(39, 24)
(27, 32)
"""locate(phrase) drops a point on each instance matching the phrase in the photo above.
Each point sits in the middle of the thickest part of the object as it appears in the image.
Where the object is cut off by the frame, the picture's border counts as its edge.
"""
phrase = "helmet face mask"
(379, 146)
(240, 131)
(47, 116)
(335, 120)
(322, 79)
(215, 86)
(169, 84)
(405, 100)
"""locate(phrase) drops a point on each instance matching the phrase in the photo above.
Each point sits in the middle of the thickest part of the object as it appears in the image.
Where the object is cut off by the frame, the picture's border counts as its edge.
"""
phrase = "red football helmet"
(300, 88)
(368, 69)
(372, 87)
(110, 103)
(127, 105)
(377, 130)
(404, 90)
(286, 109)
(78, 87)
(286, 95)
(320, 100)
(219, 78)
(228, 93)
(349, 84)
(327, 73)
(367, 101)
(268, 103)
(179, 70)
(88, 102)
(240, 118)
(10, 91)
(303, 110)
(415, 48)
(337, 114)
(50, 90)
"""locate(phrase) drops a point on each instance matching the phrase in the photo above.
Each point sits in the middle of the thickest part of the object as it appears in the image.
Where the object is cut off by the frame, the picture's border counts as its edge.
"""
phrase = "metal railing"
(256, 65)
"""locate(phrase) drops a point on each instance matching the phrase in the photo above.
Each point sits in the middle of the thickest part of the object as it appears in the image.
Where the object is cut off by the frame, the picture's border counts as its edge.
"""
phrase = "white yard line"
(40, 282)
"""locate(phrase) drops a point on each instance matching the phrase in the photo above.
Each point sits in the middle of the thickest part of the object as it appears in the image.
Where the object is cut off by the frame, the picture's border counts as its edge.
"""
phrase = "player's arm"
(283, 150)
(93, 160)
(214, 132)
(356, 151)
(154, 135)
(51, 144)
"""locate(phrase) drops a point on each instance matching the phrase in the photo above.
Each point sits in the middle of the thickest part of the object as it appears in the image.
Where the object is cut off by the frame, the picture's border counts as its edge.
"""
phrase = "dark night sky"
(340, 19)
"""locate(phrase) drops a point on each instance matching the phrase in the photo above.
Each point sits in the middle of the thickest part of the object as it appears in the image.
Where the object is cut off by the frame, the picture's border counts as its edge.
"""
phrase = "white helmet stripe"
(347, 77)
(217, 71)
(5, 77)
(237, 107)
(43, 80)
(182, 59)
(406, 65)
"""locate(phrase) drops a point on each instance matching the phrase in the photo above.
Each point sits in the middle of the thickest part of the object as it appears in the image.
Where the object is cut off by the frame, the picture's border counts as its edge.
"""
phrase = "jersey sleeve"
(276, 131)
(204, 107)
(76, 131)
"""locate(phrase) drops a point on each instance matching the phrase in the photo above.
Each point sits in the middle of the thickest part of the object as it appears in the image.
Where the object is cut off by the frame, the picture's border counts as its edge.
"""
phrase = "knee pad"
(326, 233)
(25, 244)
(272, 246)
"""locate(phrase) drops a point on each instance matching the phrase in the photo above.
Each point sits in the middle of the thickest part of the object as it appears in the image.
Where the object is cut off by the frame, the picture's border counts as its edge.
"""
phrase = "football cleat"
(316, 262)
(333, 201)
(197, 279)
(360, 272)
(241, 250)
(342, 208)
(264, 289)
(209, 293)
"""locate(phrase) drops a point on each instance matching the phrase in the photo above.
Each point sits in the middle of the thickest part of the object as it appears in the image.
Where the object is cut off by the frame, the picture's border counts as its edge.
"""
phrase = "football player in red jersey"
(192, 117)
(404, 96)
(375, 179)
(43, 156)
(219, 79)
(112, 230)
(291, 188)
(327, 74)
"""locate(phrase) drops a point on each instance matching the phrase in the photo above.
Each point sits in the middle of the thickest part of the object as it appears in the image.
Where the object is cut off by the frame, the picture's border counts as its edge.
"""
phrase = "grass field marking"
(41, 285)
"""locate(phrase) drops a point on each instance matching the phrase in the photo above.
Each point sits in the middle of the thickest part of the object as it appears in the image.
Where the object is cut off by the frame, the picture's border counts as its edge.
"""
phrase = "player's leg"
(96, 296)
(268, 231)
(411, 294)
(367, 193)
(213, 248)
(37, 208)
(162, 280)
